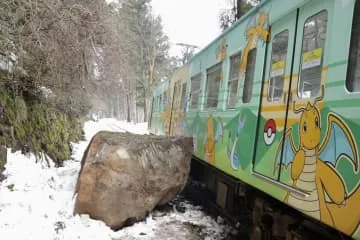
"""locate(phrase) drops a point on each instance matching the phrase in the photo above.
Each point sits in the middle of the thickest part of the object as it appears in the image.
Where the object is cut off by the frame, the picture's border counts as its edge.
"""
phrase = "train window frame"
(160, 103)
(249, 77)
(232, 78)
(178, 95)
(352, 83)
(183, 97)
(176, 89)
(166, 100)
(279, 72)
(195, 92)
(214, 69)
(156, 104)
(300, 90)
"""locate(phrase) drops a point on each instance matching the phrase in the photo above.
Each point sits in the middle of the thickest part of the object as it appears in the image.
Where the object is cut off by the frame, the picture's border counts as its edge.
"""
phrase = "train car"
(273, 106)
(159, 105)
(177, 90)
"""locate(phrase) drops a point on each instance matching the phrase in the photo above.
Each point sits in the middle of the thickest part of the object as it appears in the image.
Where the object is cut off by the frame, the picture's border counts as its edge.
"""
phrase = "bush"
(39, 128)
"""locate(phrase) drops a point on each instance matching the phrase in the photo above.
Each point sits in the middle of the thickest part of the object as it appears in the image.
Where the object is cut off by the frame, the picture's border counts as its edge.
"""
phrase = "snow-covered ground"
(36, 202)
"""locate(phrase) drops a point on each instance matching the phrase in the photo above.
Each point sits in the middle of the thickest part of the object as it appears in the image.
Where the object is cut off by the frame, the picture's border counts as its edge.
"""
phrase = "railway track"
(240, 220)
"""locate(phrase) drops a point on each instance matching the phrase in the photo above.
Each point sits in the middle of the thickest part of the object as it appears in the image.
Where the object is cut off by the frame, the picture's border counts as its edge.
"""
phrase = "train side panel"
(279, 110)
(159, 107)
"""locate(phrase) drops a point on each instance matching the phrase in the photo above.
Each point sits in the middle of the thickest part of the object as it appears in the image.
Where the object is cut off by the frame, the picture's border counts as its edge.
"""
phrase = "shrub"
(39, 128)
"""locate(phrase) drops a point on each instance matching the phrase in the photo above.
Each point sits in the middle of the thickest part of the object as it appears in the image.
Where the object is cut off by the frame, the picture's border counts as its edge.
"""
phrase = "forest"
(63, 61)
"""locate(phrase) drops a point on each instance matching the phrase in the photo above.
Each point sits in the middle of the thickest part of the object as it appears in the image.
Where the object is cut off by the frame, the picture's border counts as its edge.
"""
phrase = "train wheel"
(261, 221)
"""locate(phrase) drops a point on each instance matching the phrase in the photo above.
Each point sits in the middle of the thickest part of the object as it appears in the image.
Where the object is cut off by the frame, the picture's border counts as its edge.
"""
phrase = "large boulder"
(124, 176)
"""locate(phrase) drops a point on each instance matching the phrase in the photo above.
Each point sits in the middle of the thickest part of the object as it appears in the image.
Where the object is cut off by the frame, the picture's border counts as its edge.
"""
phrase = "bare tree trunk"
(238, 9)
(134, 116)
(128, 108)
(124, 104)
(152, 68)
(121, 107)
(145, 106)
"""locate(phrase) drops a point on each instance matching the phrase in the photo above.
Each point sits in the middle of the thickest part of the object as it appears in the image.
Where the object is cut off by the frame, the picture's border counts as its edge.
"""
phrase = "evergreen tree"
(238, 8)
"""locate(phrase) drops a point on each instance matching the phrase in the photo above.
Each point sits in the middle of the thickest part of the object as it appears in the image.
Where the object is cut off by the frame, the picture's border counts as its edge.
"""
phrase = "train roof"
(294, 4)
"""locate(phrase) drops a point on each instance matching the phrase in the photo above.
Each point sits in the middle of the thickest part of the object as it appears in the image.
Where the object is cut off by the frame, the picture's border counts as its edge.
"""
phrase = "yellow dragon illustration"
(221, 55)
(211, 138)
(311, 173)
(253, 35)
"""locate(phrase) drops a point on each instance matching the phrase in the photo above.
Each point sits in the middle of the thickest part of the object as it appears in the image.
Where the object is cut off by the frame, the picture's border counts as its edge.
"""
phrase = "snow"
(36, 202)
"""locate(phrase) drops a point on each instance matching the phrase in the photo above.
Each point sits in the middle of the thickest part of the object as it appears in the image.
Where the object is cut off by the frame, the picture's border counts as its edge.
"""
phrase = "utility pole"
(187, 51)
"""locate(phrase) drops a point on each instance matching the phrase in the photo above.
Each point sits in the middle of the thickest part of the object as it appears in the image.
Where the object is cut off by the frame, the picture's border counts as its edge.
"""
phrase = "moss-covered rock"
(38, 127)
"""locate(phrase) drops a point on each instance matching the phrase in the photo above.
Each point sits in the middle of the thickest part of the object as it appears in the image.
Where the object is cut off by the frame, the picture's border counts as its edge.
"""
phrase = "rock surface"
(124, 176)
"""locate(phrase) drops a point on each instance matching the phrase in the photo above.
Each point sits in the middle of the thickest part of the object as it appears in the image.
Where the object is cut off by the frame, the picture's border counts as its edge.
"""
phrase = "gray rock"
(124, 176)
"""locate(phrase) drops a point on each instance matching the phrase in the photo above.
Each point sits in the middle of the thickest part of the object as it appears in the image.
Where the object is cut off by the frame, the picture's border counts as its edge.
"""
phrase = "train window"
(160, 103)
(278, 63)
(353, 75)
(195, 91)
(233, 84)
(165, 102)
(155, 104)
(178, 104)
(212, 85)
(249, 76)
(176, 96)
(312, 55)
(183, 98)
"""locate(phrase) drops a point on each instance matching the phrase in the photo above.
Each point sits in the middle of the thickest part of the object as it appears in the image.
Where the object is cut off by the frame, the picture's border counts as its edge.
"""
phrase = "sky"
(192, 22)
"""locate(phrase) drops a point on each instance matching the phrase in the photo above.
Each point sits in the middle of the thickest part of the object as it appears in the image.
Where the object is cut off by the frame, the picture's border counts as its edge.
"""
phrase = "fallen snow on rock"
(36, 202)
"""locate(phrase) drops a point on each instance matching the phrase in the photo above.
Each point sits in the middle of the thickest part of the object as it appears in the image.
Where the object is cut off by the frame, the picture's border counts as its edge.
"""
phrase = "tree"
(149, 49)
(50, 48)
(238, 8)
(132, 58)
(61, 60)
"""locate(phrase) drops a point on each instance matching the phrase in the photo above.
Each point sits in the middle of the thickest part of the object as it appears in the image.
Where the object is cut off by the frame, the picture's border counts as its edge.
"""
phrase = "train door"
(274, 100)
(306, 101)
(301, 78)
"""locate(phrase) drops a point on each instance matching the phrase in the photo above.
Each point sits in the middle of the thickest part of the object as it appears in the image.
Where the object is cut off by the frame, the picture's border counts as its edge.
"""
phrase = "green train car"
(274, 104)
(160, 102)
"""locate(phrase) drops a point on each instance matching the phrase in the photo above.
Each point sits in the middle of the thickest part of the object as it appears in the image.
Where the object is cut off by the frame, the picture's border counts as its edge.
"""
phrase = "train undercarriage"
(256, 215)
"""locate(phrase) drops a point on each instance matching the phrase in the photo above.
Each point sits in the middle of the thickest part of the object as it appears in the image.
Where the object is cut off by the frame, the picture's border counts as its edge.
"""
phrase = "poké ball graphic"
(269, 132)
